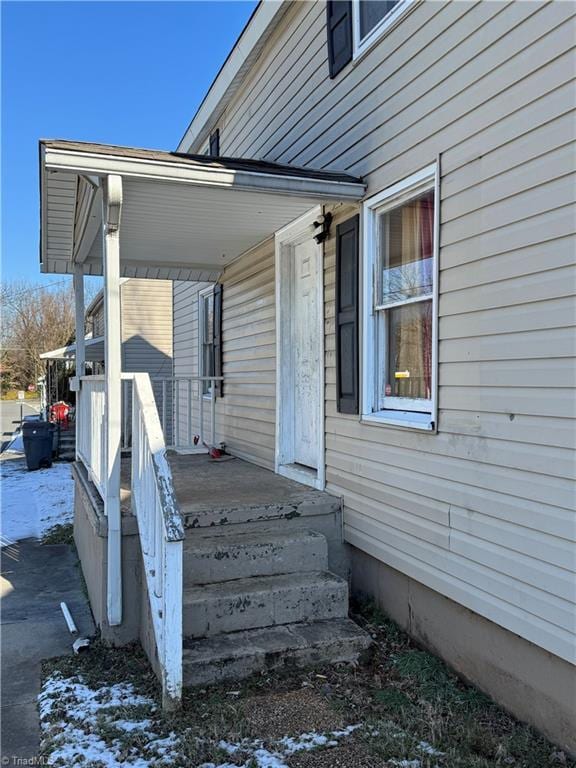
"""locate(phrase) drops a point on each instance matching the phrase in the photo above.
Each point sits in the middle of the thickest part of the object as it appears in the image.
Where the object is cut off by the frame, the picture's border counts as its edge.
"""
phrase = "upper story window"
(400, 302)
(371, 18)
(353, 26)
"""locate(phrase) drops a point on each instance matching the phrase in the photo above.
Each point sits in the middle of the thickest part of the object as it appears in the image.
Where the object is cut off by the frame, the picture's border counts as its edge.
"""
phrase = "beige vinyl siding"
(146, 307)
(245, 416)
(147, 326)
(97, 321)
(482, 511)
(186, 346)
(247, 412)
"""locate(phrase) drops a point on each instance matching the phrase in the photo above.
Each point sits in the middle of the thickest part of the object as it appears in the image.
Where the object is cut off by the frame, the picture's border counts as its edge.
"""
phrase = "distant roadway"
(10, 413)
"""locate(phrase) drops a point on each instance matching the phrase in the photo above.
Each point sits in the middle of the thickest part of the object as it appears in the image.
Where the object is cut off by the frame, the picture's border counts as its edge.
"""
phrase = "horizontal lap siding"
(247, 412)
(483, 511)
(186, 346)
(97, 319)
(146, 307)
(245, 416)
(147, 326)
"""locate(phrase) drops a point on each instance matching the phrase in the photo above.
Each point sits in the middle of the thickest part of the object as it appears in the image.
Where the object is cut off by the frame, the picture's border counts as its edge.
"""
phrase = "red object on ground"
(59, 413)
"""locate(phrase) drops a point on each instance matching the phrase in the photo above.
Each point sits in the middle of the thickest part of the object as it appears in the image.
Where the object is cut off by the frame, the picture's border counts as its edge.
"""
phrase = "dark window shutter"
(215, 143)
(217, 338)
(347, 269)
(339, 26)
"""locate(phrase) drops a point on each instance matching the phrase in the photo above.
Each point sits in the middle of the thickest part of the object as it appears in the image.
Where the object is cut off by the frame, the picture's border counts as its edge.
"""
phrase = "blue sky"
(114, 72)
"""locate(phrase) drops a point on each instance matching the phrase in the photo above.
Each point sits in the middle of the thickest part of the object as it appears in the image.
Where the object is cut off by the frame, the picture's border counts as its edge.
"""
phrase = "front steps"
(67, 443)
(225, 557)
(239, 655)
(261, 599)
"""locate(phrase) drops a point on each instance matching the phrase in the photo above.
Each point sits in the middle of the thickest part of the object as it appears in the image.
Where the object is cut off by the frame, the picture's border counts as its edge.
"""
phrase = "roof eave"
(81, 162)
(261, 24)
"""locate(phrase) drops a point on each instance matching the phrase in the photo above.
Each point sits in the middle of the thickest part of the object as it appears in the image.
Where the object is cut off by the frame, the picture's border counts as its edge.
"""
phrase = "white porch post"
(80, 330)
(112, 207)
(80, 345)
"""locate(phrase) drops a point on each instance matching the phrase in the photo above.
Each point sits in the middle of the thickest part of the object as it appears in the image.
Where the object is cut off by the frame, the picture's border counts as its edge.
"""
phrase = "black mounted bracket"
(322, 224)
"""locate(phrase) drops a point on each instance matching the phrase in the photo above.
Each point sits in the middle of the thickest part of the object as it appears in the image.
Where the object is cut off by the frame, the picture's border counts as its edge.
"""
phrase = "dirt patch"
(271, 716)
(352, 754)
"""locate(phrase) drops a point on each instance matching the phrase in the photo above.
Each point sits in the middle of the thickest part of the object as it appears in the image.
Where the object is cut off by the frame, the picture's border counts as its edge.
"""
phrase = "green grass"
(63, 533)
(12, 394)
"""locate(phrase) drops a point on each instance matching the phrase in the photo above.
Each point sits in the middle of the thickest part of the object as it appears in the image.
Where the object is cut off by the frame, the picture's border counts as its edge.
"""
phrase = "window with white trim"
(371, 18)
(206, 336)
(400, 302)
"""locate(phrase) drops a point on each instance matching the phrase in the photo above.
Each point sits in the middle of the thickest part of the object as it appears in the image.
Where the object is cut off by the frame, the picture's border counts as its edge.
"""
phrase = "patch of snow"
(72, 713)
(406, 763)
(79, 709)
(33, 502)
(424, 746)
(16, 445)
(129, 726)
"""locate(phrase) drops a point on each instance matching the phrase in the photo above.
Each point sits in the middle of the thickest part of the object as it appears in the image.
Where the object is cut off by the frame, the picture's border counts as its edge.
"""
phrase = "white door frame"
(284, 242)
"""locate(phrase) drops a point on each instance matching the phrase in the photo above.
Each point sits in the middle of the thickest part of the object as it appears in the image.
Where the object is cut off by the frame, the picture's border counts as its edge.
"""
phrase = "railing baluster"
(201, 411)
(213, 413)
(177, 416)
(164, 406)
(190, 435)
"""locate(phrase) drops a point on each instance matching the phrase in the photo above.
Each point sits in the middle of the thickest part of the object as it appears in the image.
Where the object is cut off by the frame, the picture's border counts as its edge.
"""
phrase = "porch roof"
(93, 350)
(184, 217)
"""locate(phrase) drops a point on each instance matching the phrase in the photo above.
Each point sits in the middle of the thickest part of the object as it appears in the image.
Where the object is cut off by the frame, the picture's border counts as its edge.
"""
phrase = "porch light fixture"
(323, 224)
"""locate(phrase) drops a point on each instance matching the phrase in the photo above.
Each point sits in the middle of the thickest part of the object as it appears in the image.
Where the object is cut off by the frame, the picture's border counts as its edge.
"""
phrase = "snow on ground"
(33, 502)
(79, 724)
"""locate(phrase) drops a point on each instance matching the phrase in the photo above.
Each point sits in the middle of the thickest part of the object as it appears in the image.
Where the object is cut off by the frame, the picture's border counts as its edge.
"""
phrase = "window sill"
(406, 419)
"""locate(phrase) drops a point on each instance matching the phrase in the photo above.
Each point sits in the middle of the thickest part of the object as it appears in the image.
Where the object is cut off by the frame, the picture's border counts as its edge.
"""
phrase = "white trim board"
(425, 178)
(302, 227)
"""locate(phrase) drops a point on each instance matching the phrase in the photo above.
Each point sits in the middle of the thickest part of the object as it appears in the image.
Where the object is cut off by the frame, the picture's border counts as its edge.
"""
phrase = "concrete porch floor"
(203, 485)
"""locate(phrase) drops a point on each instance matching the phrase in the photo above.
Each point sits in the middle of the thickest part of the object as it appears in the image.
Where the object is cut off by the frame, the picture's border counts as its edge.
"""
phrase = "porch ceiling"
(184, 217)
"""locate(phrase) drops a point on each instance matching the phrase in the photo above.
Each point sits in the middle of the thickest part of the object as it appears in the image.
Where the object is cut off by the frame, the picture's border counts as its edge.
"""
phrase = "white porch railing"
(161, 534)
(186, 408)
(160, 525)
(91, 429)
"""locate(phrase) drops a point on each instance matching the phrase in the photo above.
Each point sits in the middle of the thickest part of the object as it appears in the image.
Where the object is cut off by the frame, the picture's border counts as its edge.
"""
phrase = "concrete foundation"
(91, 538)
(535, 686)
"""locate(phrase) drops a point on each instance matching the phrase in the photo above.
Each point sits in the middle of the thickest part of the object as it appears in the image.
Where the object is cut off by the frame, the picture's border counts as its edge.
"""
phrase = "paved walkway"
(34, 580)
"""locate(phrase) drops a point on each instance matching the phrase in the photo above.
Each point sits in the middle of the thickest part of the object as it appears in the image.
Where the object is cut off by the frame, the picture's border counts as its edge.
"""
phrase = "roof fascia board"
(61, 352)
(85, 162)
(266, 15)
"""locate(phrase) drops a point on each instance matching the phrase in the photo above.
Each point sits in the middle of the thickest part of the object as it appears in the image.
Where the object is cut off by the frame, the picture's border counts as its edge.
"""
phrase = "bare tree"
(35, 319)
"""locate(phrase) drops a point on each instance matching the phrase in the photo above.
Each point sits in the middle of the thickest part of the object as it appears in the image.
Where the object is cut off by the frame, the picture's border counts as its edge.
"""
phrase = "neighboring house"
(382, 293)
(146, 310)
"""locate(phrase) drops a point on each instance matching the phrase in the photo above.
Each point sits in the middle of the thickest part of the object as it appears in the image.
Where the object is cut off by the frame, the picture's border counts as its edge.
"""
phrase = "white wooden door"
(305, 356)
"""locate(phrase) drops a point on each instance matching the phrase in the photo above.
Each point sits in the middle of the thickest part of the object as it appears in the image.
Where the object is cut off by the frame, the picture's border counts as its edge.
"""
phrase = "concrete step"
(271, 513)
(236, 656)
(231, 556)
(263, 601)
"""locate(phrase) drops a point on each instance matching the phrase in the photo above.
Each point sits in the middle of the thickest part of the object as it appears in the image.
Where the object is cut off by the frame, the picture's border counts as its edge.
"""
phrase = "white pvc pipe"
(69, 620)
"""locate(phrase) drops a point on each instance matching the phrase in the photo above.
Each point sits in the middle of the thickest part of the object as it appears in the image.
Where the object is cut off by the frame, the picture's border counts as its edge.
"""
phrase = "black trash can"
(38, 440)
